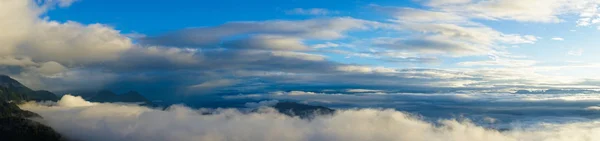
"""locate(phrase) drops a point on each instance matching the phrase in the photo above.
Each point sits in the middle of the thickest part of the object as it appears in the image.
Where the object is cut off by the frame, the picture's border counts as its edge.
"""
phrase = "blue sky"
(186, 48)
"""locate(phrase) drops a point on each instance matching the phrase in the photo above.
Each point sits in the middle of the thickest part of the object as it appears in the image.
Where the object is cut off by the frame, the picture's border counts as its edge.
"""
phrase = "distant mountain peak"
(302, 110)
(106, 93)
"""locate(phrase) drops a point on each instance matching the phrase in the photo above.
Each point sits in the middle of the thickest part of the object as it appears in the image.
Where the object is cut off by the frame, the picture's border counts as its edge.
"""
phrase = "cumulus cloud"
(73, 101)
(129, 122)
(35, 49)
(43, 40)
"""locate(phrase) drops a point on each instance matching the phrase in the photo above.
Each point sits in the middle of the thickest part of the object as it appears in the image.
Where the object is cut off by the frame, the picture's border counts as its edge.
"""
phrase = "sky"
(184, 49)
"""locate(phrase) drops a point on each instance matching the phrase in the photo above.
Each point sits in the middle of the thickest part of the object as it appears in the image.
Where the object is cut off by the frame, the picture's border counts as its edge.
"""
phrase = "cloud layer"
(78, 119)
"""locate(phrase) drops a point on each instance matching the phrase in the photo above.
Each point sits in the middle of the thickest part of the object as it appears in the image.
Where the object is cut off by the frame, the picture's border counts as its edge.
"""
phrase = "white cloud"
(70, 43)
(65, 3)
(500, 61)
(558, 39)
(311, 11)
(364, 69)
(446, 2)
(417, 15)
(298, 55)
(325, 45)
(446, 33)
(518, 10)
(51, 68)
(74, 101)
(293, 93)
(575, 52)
(443, 45)
(593, 108)
(135, 123)
(363, 91)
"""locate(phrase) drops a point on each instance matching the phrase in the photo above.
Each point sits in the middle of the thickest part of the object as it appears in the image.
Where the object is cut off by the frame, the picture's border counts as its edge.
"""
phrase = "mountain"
(15, 125)
(133, 96)
(302, 110)
(43, 95)
(12, 90)
(104, 96)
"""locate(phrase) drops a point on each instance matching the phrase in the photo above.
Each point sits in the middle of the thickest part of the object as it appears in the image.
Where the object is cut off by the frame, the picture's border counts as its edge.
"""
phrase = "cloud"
(74, 101)
(16, 61)
(213, 84)
(46, 54)
(311, 11)
(36, 49)
(499, 61)
(436, 45)
(363, 91)
(525, 11)
(405, 14)
(51, 68)
(399, 99)
(575, 52)
(268, 42)
(365, 69)
(272, 55)
(558, 39)
(325, 45)
(292, 93)
(544, 11)
(135, 123)
(444, 33)
(63, 3)
(323, 29)
(447, 2)
(593, 108)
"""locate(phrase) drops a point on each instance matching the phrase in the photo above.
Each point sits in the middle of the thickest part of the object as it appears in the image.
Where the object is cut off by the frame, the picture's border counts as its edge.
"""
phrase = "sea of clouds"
(82, 120)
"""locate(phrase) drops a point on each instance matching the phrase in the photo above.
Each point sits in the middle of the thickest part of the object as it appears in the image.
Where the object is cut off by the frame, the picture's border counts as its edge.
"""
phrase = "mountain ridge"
(13, 90)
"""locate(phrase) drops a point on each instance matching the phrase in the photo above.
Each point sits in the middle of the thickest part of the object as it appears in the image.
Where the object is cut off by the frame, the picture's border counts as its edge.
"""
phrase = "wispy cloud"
(575, 52)
(558, 39)
(311, 11)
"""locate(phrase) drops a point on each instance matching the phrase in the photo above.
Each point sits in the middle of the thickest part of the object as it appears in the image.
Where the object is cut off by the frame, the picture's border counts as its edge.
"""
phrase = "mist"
(82, 120)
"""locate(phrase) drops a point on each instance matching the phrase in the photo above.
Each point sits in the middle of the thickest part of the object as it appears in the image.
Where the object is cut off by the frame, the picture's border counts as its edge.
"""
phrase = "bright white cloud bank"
(79, 119)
